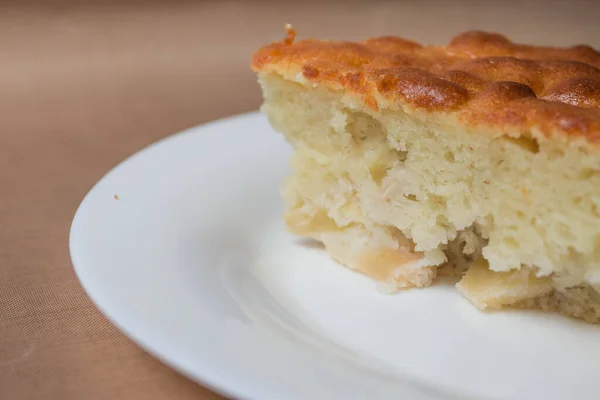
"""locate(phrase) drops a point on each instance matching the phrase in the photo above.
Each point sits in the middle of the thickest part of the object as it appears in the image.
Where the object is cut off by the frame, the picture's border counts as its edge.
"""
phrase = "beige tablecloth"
(84, 84)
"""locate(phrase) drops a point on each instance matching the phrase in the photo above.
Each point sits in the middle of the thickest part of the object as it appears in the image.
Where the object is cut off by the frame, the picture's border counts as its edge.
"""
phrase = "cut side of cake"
(479, 160)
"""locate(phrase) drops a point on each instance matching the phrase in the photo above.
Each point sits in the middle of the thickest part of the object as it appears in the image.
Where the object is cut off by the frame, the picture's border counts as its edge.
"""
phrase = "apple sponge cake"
(479, 159)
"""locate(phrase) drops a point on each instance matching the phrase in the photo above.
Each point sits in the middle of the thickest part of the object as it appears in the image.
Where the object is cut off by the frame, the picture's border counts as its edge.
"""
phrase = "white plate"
(192, 262)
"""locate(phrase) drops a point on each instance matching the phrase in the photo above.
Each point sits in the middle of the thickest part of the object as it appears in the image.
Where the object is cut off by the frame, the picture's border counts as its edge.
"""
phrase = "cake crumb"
(116, 196)
(290, 34)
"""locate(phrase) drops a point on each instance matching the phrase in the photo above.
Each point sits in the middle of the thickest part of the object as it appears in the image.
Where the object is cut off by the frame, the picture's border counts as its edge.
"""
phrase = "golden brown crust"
(484, 78)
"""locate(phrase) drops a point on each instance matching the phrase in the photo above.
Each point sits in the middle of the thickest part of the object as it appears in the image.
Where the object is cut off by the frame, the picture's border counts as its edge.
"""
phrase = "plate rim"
(209, 379)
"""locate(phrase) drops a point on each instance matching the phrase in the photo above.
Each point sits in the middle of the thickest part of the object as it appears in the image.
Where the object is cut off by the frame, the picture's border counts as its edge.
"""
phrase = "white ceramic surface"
(192, 262)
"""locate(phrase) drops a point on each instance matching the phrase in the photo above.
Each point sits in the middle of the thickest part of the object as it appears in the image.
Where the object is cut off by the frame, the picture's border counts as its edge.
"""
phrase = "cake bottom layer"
(401, 268)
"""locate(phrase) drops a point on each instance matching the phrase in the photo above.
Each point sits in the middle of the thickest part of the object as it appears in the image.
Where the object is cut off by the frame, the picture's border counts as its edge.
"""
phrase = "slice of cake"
(479, 159)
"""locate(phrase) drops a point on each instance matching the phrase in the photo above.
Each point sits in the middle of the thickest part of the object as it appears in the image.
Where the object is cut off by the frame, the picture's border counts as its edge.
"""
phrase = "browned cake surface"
(483, 78)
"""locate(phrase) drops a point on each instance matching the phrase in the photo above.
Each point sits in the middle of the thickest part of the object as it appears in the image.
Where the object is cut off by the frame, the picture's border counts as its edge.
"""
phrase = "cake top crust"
(483, 78)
